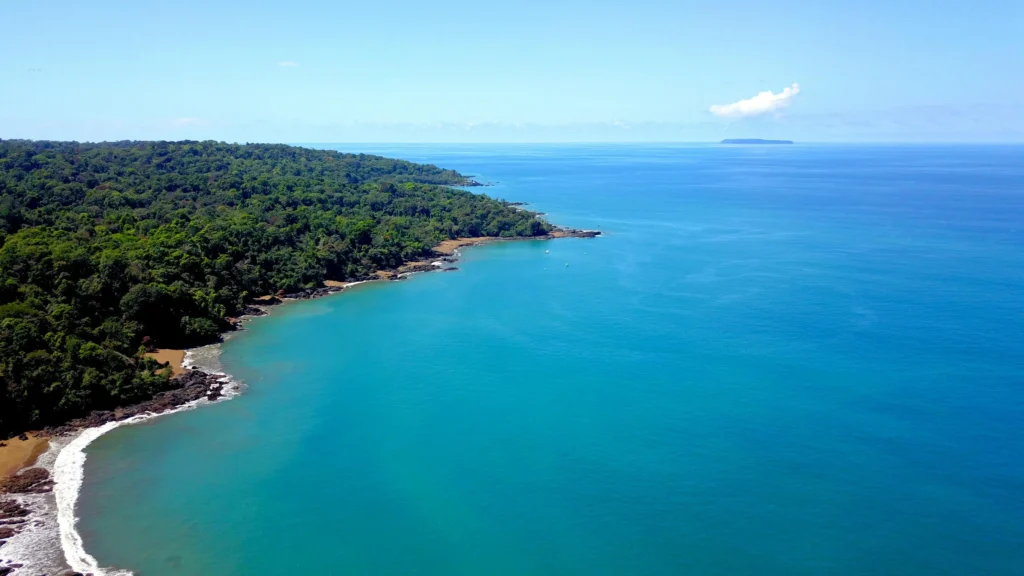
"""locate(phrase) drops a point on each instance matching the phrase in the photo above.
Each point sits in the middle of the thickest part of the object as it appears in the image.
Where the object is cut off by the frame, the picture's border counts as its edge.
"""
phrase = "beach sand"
(449, 247)
(175, 357)
(18, 454)
(336, 284)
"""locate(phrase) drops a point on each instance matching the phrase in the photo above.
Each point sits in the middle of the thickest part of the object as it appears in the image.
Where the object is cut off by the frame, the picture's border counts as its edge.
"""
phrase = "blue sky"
(531, 71)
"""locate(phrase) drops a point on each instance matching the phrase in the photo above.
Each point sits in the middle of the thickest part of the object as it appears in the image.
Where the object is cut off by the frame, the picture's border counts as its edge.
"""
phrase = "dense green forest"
(106, 246)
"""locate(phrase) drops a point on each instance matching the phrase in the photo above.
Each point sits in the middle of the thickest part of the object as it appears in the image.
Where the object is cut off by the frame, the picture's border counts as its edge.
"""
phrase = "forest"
(108, 248)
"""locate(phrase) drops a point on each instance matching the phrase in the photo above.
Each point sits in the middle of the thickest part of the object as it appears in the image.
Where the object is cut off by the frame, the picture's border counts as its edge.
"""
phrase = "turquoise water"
(778, 361)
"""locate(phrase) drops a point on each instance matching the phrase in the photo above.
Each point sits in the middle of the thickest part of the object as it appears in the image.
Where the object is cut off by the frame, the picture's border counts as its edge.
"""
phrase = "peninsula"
(111, 251)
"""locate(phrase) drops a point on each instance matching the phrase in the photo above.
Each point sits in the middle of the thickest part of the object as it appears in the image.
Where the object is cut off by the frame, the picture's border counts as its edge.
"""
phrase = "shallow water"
(778, 361)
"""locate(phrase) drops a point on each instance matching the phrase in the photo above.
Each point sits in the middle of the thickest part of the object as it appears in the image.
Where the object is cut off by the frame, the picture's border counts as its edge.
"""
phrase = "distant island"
(754, 141)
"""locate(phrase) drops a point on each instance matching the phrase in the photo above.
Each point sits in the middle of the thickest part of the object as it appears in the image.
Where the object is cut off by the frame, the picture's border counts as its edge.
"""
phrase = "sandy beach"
(449, 247)
(174, 357)
(336, 284)
(18, 454)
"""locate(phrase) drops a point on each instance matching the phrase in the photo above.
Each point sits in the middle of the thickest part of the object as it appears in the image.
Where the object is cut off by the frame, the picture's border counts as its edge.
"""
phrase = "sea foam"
(53, 515)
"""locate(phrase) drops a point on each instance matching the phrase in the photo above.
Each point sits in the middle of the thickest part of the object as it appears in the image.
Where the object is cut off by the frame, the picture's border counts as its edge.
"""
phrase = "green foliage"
(105, 245)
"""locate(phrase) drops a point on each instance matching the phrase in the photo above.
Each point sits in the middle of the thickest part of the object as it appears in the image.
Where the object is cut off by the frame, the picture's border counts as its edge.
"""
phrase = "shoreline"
(37, 504)
(41, 505)
(17, 454)
(174, 358)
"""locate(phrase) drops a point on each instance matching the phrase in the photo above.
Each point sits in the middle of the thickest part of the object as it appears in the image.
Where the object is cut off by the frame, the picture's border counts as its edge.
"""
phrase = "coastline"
(41, 507)
(450, 247)
(174, 358)
(17, 454)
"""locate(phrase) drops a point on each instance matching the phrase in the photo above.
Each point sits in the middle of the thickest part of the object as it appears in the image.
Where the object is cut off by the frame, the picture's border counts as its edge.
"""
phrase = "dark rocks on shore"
(30, 481)
(418, 267)
(188, 387)
(575, 233)
(313, 293)
(12, 512)
(252, 311)
(243, 313)
(215, 392)
(12, 517)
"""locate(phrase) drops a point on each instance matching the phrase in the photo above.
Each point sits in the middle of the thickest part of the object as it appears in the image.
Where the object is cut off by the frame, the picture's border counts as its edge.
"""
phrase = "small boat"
(547, 251)
(566, 264)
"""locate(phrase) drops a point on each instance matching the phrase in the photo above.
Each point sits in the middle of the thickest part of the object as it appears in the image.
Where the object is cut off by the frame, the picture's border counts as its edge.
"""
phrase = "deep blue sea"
(778, 361)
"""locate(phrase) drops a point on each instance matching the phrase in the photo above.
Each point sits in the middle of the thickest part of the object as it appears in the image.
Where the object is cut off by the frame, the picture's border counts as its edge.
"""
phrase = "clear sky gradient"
(530, 71)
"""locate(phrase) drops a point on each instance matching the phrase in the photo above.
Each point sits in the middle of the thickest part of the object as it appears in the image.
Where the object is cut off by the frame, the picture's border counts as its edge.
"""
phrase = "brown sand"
(175, 357)
(336, 284)
(18, 454)
(450, 246)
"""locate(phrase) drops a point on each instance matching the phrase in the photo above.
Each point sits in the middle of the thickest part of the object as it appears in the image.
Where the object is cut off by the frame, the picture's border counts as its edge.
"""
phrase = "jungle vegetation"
(108, 248)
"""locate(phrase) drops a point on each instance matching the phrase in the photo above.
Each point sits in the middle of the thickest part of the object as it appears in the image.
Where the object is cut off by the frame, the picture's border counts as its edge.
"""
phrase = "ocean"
(787, 360)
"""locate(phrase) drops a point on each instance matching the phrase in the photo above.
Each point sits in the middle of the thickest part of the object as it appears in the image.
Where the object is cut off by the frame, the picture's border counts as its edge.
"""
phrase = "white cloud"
(287, 64)
(189, 121)
(763, 103)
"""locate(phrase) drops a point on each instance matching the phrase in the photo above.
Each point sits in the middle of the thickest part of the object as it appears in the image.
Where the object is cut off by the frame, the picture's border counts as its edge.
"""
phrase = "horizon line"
(551, 142)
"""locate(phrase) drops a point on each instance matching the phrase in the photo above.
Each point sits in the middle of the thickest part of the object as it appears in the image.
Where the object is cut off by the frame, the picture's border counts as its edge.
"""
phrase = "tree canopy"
(103, 246)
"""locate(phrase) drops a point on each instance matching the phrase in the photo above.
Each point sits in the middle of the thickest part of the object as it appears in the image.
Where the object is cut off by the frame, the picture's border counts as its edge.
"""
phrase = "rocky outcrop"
(573, 233)
(417, 267)
(29, 481)
(245, 312)
(313, 293)
(252, 311)
(188, 387)
(267, 301)
(12, 517)
(11, 512)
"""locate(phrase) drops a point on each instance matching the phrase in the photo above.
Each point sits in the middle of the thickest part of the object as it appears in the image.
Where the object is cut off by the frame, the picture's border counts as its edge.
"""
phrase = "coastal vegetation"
(109, 249)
